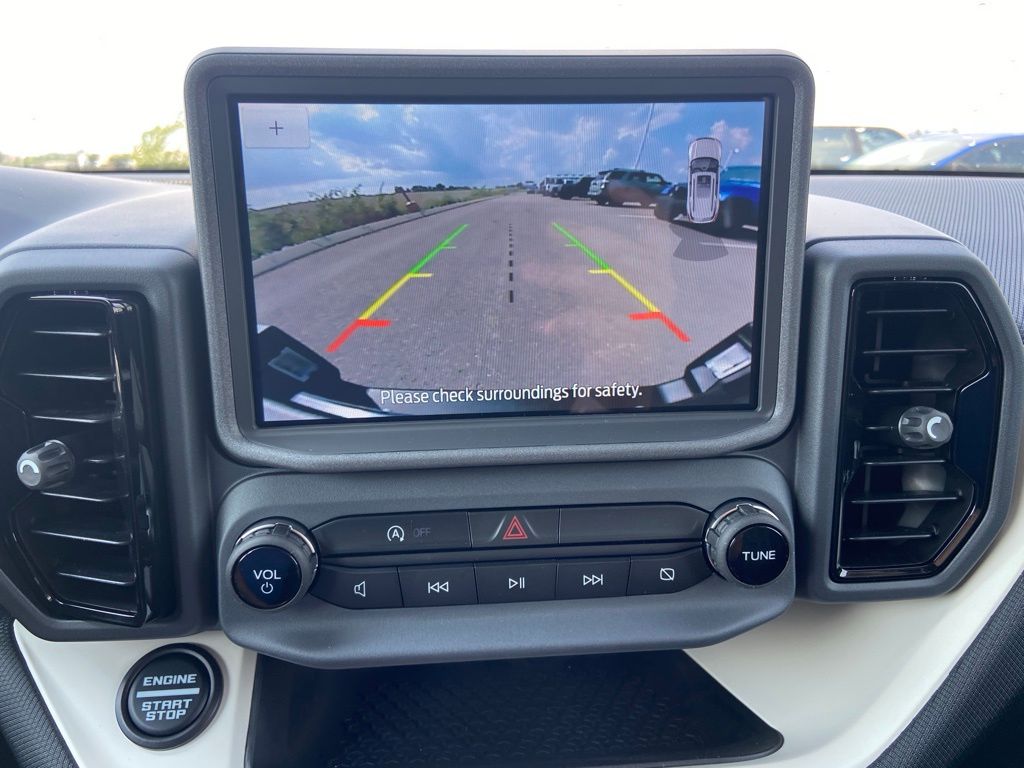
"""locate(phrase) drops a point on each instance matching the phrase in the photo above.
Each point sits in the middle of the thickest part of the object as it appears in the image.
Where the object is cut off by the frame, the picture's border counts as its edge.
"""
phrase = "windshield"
(105, 93)
(917, 153)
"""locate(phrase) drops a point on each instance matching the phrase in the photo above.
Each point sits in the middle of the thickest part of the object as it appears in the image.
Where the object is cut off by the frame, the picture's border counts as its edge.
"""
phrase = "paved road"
(517, 291)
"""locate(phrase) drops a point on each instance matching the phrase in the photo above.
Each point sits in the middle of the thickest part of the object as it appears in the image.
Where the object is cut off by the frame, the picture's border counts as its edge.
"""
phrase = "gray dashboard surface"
(32, 199)
(984, 213)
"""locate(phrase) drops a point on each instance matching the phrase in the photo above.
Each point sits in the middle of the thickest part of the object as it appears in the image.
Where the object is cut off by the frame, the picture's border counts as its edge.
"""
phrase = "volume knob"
(272, 564)
(746, 543)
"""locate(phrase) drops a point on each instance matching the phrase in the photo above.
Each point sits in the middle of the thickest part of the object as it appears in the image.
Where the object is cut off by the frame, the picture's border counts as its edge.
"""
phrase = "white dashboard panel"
(79, 682)
(842, 681)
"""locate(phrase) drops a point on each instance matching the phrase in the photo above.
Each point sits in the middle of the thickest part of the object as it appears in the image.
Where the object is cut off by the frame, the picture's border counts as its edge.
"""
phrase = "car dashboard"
(816, 568)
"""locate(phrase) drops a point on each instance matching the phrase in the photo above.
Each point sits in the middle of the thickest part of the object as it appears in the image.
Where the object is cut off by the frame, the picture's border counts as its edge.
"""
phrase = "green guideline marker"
(437, 249)
(572, 239)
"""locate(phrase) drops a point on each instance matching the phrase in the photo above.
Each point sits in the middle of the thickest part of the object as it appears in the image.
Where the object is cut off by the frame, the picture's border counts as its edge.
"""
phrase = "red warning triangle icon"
(514, 531)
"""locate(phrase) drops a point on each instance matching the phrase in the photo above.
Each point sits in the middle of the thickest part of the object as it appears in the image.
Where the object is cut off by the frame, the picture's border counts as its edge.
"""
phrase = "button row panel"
(509, 582)
(509, 528)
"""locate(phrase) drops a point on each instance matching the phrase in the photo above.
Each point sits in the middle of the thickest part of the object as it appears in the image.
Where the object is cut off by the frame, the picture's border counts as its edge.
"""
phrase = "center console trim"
(315, 633)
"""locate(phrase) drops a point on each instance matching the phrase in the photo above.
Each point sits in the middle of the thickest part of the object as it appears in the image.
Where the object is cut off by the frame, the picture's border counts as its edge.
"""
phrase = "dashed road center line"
(511, 253)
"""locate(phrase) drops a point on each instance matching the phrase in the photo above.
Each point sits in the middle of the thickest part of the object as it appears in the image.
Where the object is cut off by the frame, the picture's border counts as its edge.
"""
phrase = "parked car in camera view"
(702, 188)
(739, 198)
(530, 187)
(951, 152)
(832, 146)
(552, 185)
(547, 183)
(595, 184)
(577, 188)
(622, 185)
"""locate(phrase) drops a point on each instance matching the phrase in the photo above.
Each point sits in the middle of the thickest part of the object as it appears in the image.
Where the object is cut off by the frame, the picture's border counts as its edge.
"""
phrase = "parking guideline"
(414, 272)
(652, 313)
(365, 319)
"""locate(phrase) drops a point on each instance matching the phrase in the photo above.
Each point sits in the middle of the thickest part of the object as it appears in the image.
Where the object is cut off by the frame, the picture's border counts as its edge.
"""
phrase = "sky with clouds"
(381, 146)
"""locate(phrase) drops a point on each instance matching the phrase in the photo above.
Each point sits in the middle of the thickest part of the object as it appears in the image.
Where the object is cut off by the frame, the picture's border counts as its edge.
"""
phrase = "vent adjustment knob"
(46, 466)
(272, 564)
(923, 427)
(746, 543)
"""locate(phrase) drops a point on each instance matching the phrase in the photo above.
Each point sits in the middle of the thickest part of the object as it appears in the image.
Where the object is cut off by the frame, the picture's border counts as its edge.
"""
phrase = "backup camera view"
(418, 260)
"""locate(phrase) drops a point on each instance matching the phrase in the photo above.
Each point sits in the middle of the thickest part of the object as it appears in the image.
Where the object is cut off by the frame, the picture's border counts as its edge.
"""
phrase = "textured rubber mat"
(582, 712)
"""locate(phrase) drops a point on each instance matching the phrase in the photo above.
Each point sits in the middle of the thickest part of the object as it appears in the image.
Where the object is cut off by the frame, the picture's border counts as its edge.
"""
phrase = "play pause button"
(515, 582)
(592, 578)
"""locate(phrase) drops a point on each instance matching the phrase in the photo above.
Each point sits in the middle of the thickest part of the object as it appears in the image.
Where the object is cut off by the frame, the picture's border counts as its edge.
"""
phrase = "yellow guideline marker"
(633, 291)
(576, 243)
(384, 297)
(414, 272)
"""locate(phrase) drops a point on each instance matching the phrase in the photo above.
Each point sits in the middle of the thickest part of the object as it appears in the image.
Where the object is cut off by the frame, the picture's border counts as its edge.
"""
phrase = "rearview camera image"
(444, 260)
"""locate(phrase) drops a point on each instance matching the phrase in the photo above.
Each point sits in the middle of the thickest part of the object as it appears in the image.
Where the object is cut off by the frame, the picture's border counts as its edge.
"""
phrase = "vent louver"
(904, 509)
(72, 369)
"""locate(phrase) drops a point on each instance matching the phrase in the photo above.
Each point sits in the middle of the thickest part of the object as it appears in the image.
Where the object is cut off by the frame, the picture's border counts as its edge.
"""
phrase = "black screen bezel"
(259, 418)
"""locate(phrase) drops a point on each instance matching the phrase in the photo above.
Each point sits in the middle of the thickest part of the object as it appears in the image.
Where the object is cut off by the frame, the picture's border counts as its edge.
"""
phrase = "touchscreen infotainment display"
(412, 261)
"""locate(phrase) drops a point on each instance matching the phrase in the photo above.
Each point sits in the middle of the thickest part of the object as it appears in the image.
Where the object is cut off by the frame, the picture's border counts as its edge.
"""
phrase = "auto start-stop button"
(169, 696)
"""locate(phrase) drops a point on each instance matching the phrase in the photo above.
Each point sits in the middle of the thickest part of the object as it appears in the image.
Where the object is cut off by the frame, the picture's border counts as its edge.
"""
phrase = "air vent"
(72, 369)
(919, 351)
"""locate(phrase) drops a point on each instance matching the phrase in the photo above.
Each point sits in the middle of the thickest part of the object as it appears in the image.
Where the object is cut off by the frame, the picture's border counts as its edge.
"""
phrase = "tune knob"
(746, 543)
(272, 564)
(46, 466)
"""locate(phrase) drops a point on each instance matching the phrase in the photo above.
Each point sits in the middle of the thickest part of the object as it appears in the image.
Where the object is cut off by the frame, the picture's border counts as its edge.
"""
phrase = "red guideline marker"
(661, 316)
(351, 328)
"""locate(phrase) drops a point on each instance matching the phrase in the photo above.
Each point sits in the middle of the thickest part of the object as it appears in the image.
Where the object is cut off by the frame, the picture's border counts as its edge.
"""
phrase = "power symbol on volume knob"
(272, 564)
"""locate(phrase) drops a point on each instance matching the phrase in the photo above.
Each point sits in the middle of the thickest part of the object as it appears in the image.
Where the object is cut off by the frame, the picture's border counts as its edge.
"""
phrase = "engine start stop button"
(169, 696)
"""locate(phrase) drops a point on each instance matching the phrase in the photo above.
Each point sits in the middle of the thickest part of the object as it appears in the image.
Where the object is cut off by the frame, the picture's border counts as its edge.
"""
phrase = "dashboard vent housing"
(73, 369)
(904, 511)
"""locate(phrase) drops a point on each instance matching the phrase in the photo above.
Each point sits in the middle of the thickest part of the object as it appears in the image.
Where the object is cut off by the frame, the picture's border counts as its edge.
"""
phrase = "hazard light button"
(514, 527)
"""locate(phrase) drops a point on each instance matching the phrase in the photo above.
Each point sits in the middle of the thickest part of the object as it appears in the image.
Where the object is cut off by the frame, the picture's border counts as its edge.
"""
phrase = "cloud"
(662, 116)
(528, 145)
(407, 152)
(348, 162)
(733, 138)
(666, 115)
(366, 112)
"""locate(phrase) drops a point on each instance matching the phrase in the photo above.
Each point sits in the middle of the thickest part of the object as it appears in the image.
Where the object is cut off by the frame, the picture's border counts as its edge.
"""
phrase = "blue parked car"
(739, 195)
(955, 152)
